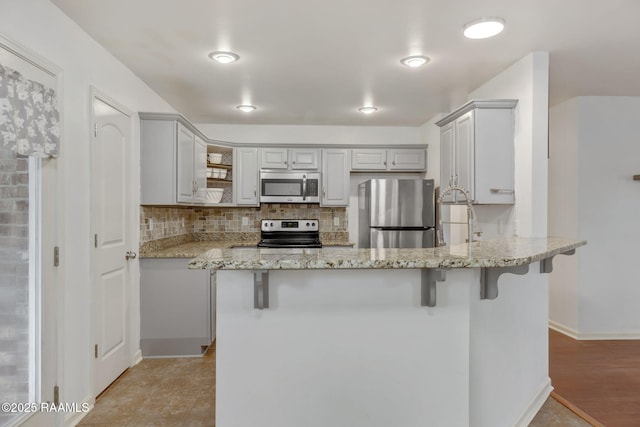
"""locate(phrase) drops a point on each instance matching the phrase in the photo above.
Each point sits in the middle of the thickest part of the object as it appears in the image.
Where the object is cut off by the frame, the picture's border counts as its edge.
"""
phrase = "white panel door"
(246, 176)
(186, 184)
(110, 271)
(465, 167)
(274, 158)
(447, 155)
(335, 177)
(368, 159)
(304, 158)
(407, 159)
(200, 170)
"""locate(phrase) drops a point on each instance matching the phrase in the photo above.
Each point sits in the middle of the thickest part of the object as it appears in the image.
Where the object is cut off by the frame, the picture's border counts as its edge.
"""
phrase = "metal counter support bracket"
(429, 278)
(489, 279)
(261, 289)
(546, 265)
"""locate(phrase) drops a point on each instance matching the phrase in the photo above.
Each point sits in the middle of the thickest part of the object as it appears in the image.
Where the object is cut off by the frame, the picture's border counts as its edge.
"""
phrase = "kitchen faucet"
(470, 213)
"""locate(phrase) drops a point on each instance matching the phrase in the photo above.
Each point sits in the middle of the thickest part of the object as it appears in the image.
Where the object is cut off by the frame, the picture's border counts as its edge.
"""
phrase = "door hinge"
(56, 395)
(95, 130)
(56, 256)
(95, 240)
(95, 351)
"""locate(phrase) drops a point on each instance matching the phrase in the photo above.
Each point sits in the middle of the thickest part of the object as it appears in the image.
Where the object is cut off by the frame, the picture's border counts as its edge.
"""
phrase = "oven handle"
(304, 187)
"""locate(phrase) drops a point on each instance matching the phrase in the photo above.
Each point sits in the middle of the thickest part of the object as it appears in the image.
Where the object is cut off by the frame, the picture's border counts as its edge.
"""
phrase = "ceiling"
(304, 62)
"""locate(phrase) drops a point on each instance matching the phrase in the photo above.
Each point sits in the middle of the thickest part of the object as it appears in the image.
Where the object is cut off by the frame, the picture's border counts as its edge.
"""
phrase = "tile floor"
(159, 392)
(181, 392)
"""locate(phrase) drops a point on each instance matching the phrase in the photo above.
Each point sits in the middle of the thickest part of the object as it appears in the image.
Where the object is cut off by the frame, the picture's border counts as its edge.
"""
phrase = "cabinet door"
(407, 159)
(200, 169)
(494, 178)
(300, 158)
(246, 176)
(335, 177)
(447, 153)
(175, 308)
(368, 159)
(464, 169)
(274, 158)
(185, 165)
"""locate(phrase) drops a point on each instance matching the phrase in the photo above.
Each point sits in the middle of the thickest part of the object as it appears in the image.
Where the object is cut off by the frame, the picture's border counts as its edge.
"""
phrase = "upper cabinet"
(178, 166)
(289, 158)
(392, 159)
(335, 177)
(219, 160)
(477, 151)
(246, 176)
(173, 163)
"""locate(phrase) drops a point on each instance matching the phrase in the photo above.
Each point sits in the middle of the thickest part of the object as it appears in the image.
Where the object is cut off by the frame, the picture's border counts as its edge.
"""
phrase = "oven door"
(289, 187)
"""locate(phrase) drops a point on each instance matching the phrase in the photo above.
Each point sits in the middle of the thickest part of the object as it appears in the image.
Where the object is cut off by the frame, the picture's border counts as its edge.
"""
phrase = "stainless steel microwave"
(289, 187)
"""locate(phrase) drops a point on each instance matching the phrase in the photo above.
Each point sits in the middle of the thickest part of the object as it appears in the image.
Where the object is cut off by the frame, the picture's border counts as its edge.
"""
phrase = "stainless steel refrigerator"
(396, 213)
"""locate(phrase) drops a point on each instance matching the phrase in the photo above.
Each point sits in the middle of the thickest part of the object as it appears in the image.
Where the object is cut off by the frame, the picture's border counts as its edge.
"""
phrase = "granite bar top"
(507, 252)
(192, 249)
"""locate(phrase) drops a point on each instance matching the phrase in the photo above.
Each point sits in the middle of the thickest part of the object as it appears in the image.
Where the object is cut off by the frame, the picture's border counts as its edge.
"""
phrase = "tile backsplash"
(163, 222)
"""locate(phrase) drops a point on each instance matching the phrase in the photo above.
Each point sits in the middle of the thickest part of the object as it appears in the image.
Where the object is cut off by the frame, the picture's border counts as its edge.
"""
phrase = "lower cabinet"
(177, 308)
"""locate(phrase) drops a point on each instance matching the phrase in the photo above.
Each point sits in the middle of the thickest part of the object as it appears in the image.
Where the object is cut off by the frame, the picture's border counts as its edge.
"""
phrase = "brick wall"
(14, 277)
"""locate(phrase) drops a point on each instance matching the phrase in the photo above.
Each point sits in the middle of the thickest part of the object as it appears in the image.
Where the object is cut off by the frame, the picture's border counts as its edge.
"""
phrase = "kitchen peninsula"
(380, 337)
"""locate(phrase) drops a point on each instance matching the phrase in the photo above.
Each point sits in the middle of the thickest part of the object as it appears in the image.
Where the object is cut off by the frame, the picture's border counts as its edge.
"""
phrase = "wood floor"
(601, 378)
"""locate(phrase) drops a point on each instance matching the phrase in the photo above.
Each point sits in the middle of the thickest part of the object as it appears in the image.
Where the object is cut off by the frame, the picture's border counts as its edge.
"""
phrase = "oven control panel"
(289, 225)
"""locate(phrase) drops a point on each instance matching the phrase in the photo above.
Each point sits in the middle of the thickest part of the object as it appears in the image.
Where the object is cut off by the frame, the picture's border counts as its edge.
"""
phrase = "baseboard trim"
(74, 418)
(558, 327)
(579, 412)
(137, 357)
(535, 404)
(593, 335)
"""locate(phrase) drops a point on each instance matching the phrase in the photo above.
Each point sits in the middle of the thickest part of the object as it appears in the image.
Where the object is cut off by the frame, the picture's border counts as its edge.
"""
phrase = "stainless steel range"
(289, 233)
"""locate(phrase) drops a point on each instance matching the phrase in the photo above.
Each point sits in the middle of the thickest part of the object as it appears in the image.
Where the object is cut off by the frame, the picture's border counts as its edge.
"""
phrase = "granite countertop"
(193, 249)
(506, 252)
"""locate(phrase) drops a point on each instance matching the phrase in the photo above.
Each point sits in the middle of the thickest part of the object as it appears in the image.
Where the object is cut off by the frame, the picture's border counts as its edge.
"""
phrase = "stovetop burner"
(289, 233)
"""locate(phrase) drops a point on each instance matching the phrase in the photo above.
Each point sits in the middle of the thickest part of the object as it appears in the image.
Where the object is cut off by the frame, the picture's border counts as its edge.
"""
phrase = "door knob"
(130, 255)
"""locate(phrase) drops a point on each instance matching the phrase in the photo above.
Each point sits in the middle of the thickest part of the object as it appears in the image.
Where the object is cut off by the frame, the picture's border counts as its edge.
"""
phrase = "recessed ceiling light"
(367, 110)
(224, 57)
(483, 28)
(246, 108)
(415, 60)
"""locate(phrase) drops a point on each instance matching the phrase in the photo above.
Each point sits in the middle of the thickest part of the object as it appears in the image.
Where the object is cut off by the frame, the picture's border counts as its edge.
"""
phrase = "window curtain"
(29, 117)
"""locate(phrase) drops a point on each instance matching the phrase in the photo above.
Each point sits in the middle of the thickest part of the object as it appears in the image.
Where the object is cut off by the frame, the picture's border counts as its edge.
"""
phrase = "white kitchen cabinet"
(173, 162)
(289, 158)
(411, 159)
(246, 176)
(393, 159)
(477, 151)
(335, 177)
(177, 308)
(192, 166)
(199, 169)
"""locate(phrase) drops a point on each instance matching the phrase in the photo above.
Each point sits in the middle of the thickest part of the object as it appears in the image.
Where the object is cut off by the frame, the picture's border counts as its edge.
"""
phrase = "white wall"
(563, 212)
(602, 282)
(430, 134)
(528, 81)
(41, 27)
(303, 134)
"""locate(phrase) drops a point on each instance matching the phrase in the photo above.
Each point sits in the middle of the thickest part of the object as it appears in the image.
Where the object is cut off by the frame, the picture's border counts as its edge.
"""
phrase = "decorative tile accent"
(160, 222)
(163, 222)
